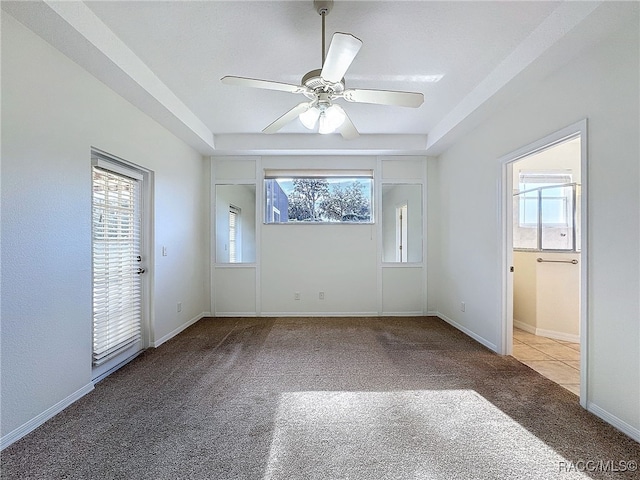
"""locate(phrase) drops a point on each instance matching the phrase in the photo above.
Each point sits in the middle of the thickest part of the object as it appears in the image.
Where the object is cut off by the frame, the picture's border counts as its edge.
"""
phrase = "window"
(548, 191)
(546, 206)
(318, 196)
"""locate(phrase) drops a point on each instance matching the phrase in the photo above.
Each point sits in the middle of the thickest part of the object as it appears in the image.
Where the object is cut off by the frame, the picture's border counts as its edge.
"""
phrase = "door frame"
(505, 192)
(121, 166)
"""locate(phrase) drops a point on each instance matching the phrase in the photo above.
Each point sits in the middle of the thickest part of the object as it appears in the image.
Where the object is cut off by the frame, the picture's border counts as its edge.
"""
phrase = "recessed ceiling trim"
(82, 19)
(416, 78)
(315, 144)
(562, 20)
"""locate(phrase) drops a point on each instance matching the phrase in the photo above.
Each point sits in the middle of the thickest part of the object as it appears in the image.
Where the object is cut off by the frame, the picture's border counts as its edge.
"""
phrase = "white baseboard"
(318, 314)
(402, 314)
(321, 314)
(567, 337)
(38, 420)
(170, 335)
(621, 425)
(468, 332)
(324, 314)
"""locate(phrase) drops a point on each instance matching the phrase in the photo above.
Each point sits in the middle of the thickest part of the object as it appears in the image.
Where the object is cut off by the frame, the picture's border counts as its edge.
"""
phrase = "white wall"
(343, 261)
(433, 234)
(339, 260)
(53, 112)
(602, 85)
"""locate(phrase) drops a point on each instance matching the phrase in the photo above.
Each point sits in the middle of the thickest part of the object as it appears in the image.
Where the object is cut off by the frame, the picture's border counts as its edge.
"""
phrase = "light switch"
(164, 251)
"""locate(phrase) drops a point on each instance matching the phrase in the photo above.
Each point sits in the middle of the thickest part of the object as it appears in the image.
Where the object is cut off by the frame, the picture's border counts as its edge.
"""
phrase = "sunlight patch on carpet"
(434, 434)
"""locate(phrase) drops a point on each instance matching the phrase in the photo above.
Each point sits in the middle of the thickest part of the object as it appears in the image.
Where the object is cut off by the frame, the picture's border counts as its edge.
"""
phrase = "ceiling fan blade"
(287, 117)
(342, 51)
(347, 129)
(265, 84)
(384, 97)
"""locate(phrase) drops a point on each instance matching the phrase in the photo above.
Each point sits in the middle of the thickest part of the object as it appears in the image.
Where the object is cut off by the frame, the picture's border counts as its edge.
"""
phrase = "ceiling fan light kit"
(325, 85)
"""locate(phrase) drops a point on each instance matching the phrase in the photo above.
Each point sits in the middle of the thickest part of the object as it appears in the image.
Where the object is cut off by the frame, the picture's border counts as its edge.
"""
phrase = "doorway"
(544, 279)
(119, 264)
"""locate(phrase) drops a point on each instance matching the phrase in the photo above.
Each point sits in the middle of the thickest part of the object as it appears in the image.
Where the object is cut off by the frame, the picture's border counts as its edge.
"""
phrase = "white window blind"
(116, 243)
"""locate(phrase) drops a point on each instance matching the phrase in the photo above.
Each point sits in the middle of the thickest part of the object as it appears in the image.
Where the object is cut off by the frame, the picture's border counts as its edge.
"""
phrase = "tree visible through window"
(328, 199)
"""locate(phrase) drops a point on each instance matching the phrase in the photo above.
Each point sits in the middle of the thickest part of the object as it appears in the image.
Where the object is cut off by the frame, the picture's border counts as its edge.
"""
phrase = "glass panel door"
(117, 269)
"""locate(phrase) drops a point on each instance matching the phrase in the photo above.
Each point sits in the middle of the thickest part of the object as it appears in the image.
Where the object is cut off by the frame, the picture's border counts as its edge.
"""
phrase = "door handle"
(140, 271)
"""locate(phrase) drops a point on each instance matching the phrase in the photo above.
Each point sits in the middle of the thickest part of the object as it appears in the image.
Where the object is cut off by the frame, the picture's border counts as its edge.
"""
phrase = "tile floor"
(555, 359)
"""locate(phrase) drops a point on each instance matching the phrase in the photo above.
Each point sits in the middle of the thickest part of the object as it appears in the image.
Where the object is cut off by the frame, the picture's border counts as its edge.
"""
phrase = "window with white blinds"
(116, 231)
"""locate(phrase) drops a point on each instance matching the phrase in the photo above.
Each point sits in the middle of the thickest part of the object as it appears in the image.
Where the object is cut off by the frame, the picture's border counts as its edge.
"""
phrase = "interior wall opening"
(544, 244)
(546, 260)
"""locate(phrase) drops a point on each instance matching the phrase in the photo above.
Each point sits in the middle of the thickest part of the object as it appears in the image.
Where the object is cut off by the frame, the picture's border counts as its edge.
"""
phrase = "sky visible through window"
(287, 184)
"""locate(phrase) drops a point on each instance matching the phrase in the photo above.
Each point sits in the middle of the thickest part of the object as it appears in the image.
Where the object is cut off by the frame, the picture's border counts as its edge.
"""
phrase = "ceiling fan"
(325, 85)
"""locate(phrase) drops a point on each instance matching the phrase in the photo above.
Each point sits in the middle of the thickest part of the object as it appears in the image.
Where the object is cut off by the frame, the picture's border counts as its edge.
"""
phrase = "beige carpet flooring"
(323, 398)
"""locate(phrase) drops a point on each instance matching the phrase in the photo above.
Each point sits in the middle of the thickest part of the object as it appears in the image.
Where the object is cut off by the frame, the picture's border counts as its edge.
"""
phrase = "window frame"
(570, 214)
(333, 174)
(564, 180)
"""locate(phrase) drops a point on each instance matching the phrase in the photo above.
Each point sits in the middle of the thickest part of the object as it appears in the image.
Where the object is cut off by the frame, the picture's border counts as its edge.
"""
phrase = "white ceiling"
(167, 58)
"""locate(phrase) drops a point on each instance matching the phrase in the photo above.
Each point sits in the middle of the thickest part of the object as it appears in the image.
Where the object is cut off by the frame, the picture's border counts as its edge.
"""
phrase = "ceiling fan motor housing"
(314, 82)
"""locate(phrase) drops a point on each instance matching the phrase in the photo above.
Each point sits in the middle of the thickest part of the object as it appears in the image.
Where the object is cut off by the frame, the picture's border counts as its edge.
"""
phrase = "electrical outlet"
(296, 296)
(462, 307)
(179, 307)
(164, 251)
(321, 296)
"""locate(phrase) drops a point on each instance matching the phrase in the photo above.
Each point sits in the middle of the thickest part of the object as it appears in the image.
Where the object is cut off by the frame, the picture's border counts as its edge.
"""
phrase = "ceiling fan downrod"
(323, 7)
